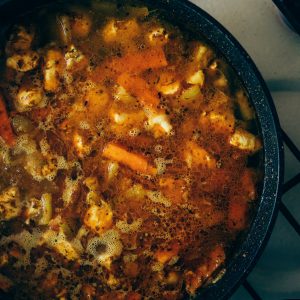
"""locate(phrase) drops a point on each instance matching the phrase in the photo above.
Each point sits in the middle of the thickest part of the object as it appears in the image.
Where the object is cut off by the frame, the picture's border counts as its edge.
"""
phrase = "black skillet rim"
(203, 24)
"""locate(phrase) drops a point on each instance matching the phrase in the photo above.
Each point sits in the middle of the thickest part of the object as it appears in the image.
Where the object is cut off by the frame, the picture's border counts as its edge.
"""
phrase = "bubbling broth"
(129, 156)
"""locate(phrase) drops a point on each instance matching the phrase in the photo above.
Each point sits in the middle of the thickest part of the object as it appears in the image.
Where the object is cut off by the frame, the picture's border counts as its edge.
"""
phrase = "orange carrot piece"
(133, 62)
(6, 131)
(134, 161)
(139, 88)
(237, 214)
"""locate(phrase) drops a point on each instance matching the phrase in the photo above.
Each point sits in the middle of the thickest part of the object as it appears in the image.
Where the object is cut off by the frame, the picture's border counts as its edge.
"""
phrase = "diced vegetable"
(139, 88)
(46, 201)
(245, 141)
(202, 55)
(54, 66)
(158, 122)
(29, 98)
(193, 93)
(220, 121)
(120, 31)
(158, 37)
(134, 161)
(196, 78)
(80, 145)
(6, 132)
(99, 218)
(168, 84)
(23, 62)
(75, 60)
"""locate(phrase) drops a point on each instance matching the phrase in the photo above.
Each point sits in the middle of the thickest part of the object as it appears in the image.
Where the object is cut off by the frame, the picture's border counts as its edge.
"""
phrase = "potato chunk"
(99, 218)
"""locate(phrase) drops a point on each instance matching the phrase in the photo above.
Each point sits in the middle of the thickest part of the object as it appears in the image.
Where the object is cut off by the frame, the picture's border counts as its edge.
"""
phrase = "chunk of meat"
(139, 88)
(99, 218)
(196, 279)
(133, 62)
(194, 155)
(6, 131)
(134, 161)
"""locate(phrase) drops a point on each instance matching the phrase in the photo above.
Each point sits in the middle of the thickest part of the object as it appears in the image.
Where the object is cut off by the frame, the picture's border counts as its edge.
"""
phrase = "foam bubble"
(25, 144)
(4, 152)
(161, 164)
(44, 146)
(27, 241)
(84, 125)
(109, 244)
(158, 148)
(134, 132)
(124, 227)
(61, 163)
(158, 197)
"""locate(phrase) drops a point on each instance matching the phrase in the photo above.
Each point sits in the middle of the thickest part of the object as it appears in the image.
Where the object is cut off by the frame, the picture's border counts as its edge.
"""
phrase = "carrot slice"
(133, 62)
(139, 88)
(134, 161)
(6, 131)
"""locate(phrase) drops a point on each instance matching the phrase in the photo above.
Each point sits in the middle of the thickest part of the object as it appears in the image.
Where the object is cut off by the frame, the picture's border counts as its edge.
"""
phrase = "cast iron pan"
(199, 23)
